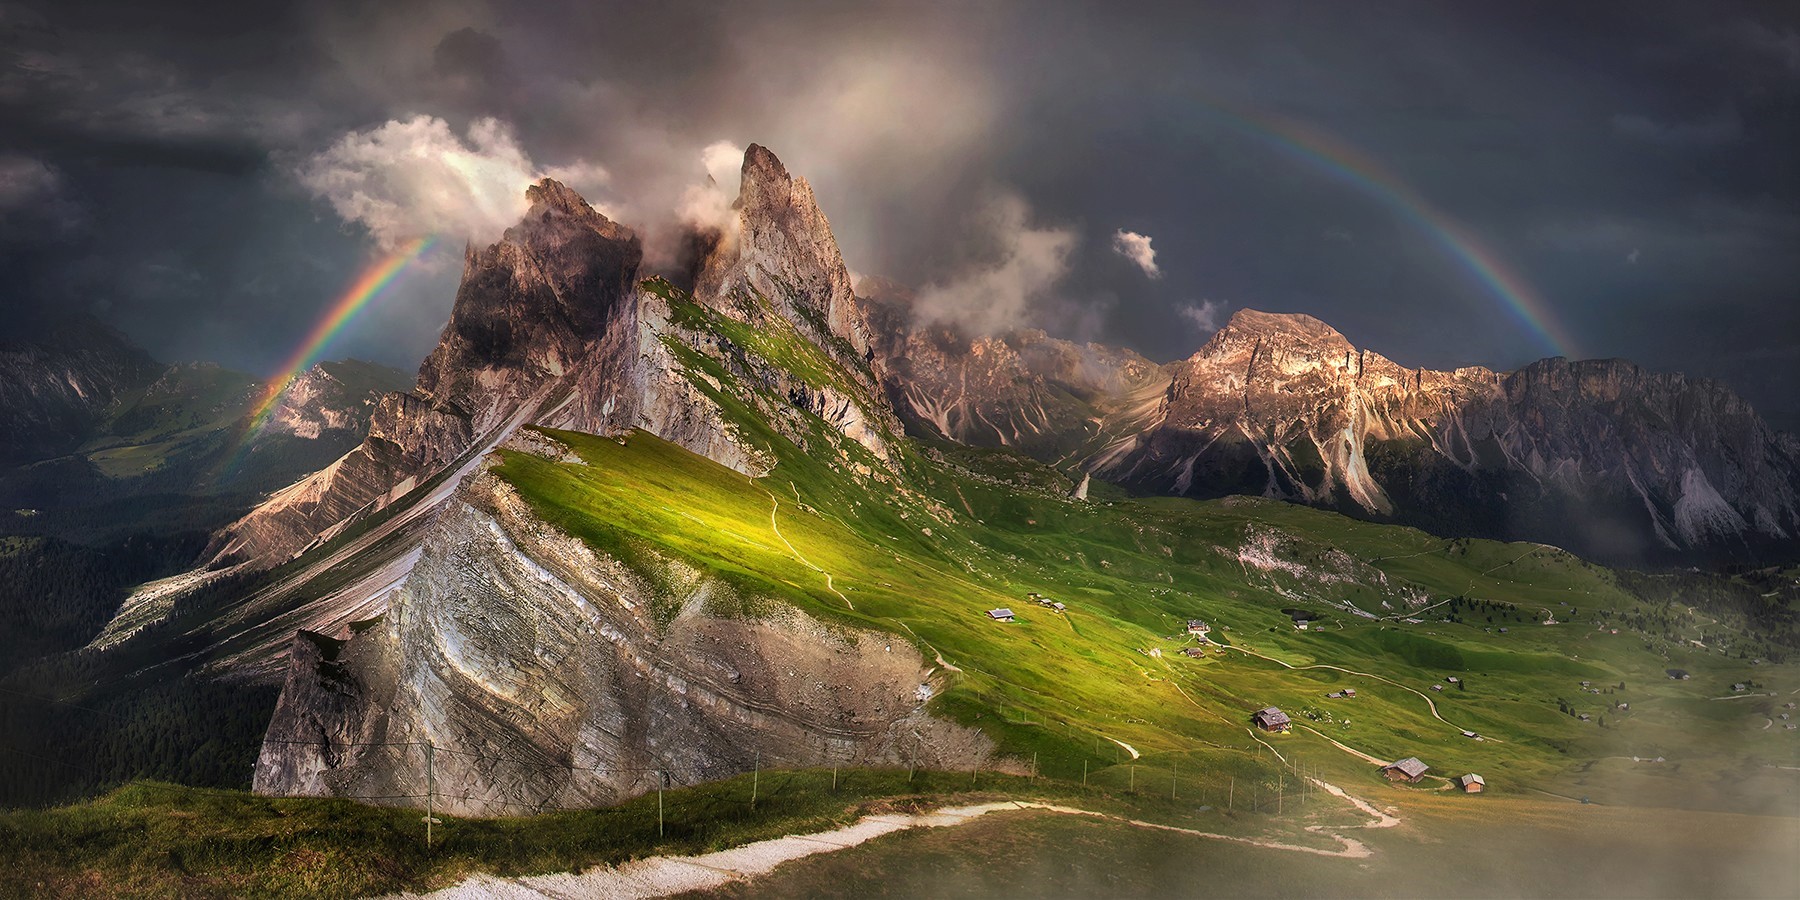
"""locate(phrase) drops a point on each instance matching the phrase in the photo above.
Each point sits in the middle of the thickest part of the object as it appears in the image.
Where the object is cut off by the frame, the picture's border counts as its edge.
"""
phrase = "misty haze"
(924, 450)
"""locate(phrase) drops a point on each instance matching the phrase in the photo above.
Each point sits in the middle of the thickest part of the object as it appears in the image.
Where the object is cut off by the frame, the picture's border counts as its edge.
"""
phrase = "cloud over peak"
(999, 291)
(412, 177)
(1136, 247)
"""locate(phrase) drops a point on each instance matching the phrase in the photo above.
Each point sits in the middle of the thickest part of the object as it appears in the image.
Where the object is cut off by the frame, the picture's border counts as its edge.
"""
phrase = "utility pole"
(755, 778)
(1174, 775)
(1133, 787)
(1231, 794)
(1084, 765)
(660, 778)
(430, 789)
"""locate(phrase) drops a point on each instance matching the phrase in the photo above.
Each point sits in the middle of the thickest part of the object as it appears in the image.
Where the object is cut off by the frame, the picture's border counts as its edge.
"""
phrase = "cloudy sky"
(1446, 183)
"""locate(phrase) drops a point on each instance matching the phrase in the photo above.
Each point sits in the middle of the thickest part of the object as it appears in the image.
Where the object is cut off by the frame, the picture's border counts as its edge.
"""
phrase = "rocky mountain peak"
(1292, 329)
(785, 251)
(550, 194)
(532, 304)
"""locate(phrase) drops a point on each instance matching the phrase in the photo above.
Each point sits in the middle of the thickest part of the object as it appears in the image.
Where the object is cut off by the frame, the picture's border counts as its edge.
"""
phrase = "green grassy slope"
(938, 535)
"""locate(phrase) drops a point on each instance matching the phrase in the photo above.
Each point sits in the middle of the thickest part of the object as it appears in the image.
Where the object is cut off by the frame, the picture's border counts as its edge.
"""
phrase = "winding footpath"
(776, 527)
(662, 876)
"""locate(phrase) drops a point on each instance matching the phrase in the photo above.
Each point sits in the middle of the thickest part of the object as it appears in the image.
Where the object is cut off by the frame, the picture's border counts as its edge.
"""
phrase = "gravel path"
(661, 876)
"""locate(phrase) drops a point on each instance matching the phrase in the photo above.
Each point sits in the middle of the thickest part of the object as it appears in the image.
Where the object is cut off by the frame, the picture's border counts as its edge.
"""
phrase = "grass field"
(158, 840)
(1063, 688)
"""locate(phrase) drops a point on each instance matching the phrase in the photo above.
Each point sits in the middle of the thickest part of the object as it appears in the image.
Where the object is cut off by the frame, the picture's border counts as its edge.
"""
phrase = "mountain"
(554, 328)
(56, 388)
(624, 533)
(1599, 456)
(1025, 390)
(100, 440)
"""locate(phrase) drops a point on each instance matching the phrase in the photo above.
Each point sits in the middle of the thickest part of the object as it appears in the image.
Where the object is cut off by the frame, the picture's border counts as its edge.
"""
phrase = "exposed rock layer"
(544, 675)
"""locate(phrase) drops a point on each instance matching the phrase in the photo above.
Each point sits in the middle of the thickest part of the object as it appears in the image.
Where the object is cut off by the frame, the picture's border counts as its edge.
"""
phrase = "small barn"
(1409, 770)
(1196, 626)
(1272, 719)
(1195, 652)
(1471, 783)
(1002, 614)
(1350, 693)
(1677, 674)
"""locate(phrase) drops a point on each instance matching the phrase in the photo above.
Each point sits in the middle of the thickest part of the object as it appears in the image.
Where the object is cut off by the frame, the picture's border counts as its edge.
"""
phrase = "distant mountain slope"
(99, 439)
(1052, 398)
(1599, 456)
(57, 386)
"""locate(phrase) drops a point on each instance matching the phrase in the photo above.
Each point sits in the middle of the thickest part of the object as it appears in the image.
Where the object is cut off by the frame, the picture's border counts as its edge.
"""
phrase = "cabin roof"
(1411, 766)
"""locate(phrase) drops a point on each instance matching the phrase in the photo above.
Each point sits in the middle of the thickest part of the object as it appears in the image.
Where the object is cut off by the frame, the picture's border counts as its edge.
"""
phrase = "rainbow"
(1343, 162)
(365, 288)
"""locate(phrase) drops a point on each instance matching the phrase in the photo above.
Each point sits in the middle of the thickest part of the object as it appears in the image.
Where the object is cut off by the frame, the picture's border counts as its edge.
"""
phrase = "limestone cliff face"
(784, 250)
(1600, 455)
(1024, 389)
(545, 675)
(332, 397)
(539, 312)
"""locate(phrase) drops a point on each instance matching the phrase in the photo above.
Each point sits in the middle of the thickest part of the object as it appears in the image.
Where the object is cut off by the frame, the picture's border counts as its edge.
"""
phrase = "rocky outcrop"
(1025, 389)
(545, 675)
(1599, 456)
(784, 251)
(548, 309)
(332, 396)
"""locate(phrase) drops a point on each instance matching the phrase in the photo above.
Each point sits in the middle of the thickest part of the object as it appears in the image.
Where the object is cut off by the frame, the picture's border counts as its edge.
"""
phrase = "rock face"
(55, 389)
(784, 250)
(543, 309)
(331, 396)
(1025, 390)
(544, 676)
(551, 327)
(1599, 456)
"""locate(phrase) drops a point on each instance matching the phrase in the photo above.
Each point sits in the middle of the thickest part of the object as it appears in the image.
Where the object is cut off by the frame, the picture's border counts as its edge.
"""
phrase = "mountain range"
(465, 575)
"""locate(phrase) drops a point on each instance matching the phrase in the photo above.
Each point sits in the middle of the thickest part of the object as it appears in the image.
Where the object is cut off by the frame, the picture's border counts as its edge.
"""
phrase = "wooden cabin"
(1471, 783)
(1272, 719)
(1409, 770)
(1002, 614)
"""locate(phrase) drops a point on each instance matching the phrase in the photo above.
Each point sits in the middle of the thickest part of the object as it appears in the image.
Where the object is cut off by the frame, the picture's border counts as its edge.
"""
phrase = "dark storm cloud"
(1634, 162)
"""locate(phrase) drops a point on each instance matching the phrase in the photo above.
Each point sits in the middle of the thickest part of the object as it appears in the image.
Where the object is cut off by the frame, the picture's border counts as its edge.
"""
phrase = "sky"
(1447, 184)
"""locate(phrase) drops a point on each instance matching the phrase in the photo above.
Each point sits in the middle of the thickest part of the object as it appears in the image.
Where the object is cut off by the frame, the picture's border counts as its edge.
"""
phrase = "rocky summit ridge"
(1599, 456)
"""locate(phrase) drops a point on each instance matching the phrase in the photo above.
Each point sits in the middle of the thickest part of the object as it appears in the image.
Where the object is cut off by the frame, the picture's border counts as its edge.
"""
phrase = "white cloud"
(1204, 316)
(1136, 247)
(997, 293)
(709, 204)
(404, 179)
